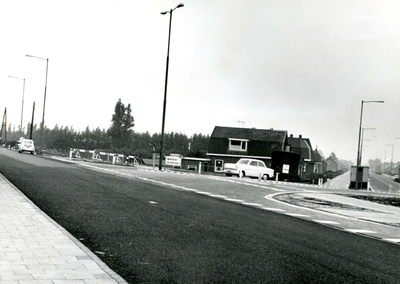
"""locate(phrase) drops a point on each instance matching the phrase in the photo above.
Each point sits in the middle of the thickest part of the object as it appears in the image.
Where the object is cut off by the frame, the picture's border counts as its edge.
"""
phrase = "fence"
(100, 156)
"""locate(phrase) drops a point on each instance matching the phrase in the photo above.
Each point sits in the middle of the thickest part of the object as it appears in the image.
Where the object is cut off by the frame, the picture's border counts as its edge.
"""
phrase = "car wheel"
(19, 151)
(242, 174)
(265, 177)
(32, 152)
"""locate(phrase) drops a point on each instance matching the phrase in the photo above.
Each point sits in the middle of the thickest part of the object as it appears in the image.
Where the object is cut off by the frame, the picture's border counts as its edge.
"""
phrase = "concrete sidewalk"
(35, 249)
(342, 181)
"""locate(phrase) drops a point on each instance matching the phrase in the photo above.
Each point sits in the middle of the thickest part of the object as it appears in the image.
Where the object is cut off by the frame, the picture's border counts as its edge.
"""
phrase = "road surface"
(153, 233)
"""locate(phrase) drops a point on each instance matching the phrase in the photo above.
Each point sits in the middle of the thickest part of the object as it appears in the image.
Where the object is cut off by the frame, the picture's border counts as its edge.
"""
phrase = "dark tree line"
(118, 138)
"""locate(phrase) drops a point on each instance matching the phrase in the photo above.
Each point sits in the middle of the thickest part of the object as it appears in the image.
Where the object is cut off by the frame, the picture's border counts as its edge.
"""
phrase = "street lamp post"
(359, 132)
(393, 154)
(44, 101)
(391, 162)
(362, 140)
(384, 161)
(360, 170)
(166, 82)
(23, 95)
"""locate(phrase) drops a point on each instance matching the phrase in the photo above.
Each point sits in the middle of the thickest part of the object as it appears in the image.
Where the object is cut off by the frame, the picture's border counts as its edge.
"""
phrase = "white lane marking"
(273, 209)
(218, 196)
(326, 222)
(252, 204)
(234, 200)
(298, 215)
(203, 192)
(360, 231)
(393, 240)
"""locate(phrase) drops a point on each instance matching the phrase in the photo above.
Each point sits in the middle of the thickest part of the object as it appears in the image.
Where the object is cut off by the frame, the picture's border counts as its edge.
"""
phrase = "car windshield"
(28, 142)
(242, 162)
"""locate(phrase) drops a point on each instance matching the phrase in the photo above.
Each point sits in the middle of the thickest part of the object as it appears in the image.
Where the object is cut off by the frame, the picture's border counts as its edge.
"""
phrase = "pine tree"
(120, 130)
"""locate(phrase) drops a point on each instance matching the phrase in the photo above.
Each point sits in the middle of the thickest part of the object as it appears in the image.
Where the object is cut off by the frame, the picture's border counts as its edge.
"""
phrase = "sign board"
(219, 165)
(173, 161)
(285, 169)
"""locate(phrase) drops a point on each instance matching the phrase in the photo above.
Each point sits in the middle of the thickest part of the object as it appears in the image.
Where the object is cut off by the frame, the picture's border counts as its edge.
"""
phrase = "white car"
(249, 167)
(26, 145)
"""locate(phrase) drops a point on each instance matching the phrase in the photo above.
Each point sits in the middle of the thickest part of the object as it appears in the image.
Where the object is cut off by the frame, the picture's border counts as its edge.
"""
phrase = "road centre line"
(360, 231)
(298, 215)
(326, 222)
(273, 209)
(393, 240)
(253, 204)
(203, 192)
(218, 196)
(234, 200)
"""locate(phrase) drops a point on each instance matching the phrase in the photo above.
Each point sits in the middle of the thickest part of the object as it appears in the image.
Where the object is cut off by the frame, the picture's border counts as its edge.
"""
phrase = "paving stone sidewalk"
(35, 249)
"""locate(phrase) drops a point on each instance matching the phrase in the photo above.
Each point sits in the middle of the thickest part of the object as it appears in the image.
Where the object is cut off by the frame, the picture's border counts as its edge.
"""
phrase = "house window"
(192, 168)
(238, 144)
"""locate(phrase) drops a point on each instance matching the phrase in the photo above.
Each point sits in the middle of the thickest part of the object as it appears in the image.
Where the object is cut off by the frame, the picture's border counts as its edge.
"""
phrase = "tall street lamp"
(384, 161)
(23, 95)
(391, 163)
(166, 82)
(395, 166)
(360, 171)
(44, 101)
(359, 132)
(362, 139)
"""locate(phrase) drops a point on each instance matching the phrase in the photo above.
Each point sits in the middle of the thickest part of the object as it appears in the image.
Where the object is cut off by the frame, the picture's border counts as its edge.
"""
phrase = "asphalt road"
(382, 183)
(150, 233)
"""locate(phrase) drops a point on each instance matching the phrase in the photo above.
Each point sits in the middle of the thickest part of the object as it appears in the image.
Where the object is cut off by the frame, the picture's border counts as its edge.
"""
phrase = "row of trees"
(118, 138)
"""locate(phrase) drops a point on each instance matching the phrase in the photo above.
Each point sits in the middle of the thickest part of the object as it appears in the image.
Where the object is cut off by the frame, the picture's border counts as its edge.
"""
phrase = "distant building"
(319, 161)
(335, 165)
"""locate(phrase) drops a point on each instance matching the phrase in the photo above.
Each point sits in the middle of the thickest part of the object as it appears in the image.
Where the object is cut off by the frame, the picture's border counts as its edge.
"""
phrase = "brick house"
(333, 164)
(303, 147)
(229, 144)
(319, 162)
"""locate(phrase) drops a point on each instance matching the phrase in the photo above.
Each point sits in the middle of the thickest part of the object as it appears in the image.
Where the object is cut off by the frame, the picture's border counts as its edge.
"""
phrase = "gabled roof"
(250, 134)
(317, 156)
(302, 146)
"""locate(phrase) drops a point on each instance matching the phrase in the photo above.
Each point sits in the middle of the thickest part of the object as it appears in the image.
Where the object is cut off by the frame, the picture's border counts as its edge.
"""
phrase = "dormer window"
(238, 144)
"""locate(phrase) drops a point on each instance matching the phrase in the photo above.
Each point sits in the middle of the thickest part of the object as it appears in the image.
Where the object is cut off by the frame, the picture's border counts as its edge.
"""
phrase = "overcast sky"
(295, 65)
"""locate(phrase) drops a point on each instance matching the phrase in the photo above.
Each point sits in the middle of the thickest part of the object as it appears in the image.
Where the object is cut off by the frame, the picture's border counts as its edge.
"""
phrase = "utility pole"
(4, 125)
(33, 115)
